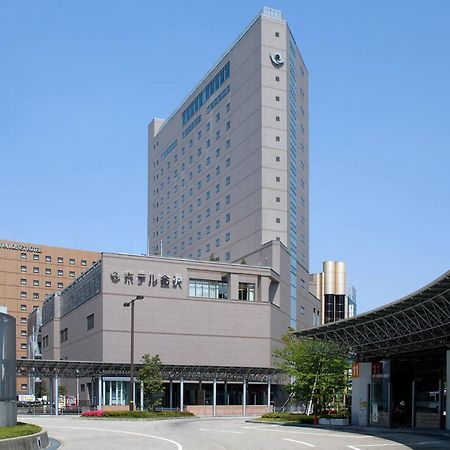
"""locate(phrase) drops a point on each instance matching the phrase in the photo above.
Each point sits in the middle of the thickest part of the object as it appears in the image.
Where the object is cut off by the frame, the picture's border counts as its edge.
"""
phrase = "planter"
(335, 422)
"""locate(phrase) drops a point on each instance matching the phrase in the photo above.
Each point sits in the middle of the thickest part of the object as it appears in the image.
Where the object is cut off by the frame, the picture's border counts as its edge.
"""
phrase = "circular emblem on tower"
(277, 59)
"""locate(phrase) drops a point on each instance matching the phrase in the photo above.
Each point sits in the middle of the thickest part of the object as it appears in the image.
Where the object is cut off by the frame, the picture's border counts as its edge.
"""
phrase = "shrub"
(288, 417)
(137, 414)
(93, 413)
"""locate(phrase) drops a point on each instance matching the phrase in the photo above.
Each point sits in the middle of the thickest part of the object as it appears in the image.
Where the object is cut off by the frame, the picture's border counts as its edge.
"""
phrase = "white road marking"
(325, 434)
(298, 442)
(392, 444)
(179, 446)
(221, 431)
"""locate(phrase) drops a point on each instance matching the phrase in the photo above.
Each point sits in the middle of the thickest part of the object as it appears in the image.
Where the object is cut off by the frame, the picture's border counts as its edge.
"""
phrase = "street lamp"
(131, 390)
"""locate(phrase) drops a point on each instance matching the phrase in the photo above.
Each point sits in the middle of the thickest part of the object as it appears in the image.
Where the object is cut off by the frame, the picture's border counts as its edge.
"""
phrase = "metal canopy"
(417, 322)
(73, 369)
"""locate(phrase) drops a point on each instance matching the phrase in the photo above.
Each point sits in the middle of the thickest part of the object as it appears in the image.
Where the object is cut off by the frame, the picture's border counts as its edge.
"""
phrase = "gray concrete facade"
(229, 171)
(88, 321)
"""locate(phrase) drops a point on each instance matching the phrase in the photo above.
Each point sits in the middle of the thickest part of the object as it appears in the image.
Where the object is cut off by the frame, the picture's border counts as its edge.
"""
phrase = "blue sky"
(80, 80)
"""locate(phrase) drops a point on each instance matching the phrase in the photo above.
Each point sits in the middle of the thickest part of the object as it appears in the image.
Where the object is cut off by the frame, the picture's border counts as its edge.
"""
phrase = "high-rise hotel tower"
(228, 170)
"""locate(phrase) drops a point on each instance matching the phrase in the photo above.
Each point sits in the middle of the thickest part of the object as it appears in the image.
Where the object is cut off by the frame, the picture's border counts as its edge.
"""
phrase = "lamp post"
(131, 390)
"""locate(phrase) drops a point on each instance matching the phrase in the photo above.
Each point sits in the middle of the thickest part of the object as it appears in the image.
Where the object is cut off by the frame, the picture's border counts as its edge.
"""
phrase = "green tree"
(318, 371)
(151, 377)
(41, 389)
(62, 390)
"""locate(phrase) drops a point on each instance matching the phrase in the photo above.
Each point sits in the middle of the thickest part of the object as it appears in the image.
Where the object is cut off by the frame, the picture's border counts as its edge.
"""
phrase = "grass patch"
(138, 414)
(21, 429)
(288, 417)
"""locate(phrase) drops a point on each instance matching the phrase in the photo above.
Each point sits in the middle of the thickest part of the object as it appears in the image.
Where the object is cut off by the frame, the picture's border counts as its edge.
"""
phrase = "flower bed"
(137, 414)
(21, 429)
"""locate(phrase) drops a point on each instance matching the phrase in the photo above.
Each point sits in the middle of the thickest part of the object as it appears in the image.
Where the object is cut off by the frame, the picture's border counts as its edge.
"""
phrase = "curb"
(30, 442)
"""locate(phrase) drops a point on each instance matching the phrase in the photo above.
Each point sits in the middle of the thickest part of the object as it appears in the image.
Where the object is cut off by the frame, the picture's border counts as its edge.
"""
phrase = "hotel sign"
(20, 247)
(149, 279)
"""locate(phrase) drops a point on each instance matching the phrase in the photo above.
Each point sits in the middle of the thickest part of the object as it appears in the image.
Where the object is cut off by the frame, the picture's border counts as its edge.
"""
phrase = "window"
(217, 206)
(277, 199)
(247, 291)
(277, 179)
(227, 256)
(35, 269)
(217, 170)
(23, 333)
(217, 134)
(35, 282)
(23, 281)
(45, 341)
(60, 259)
(227, 217)
(208, 248)
(227, 143)
(48, 284)
(277, 98)
(227, 236)
(228, 125)
(208, 212)
(23, 256)
(208, 289)
(217, 117)
(24, 386)
(36, 295)
(60, 273)
(48, 271)
(23, 320)
(228, 180)
(208, 143)
(277, 138)
(23, 346)
(208, 229)
(72, 274)
(36, 257)
(23, 294)
(277, 220)
(64, 335)
(208, 126)
(83, 262)
(72, 261)
(90, 322)
(217, 242)
(228, 199)
(23, 307)
(277, 158)
(60, 285)
(217, 223)
(228, 107)
(217, 152)
(277, 34)
(277, 78)
(217, 187)
(208, 160)
(228, 162)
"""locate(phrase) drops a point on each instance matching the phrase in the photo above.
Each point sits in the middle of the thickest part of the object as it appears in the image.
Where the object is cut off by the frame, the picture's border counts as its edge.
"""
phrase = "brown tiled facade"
(28, 274)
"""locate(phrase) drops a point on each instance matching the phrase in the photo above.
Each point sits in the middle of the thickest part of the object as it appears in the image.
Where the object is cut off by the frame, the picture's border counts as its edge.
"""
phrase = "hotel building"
(29, 273)
(228, 171)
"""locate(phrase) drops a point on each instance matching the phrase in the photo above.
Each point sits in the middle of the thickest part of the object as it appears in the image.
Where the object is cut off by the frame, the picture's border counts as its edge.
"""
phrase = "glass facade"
(293, 182)
(206, 93)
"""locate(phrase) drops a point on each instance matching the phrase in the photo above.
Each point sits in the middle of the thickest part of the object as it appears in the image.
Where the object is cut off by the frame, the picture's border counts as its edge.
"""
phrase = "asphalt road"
(218, 434)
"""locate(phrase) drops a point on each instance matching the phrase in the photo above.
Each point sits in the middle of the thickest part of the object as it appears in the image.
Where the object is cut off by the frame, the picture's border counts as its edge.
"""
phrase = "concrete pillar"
(361, 379)
(99, 403)
(56, 395)
(78, 395)
(269, 385)
(142, 396)
(413, 404)
(244, 397)
(170, 394)
(225, 393)
(50, 393)
(214, 396)
(181, 394)
(447, 377)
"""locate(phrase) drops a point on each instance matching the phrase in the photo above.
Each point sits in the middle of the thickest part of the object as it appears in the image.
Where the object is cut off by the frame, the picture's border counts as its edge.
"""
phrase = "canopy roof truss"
(419, 321)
